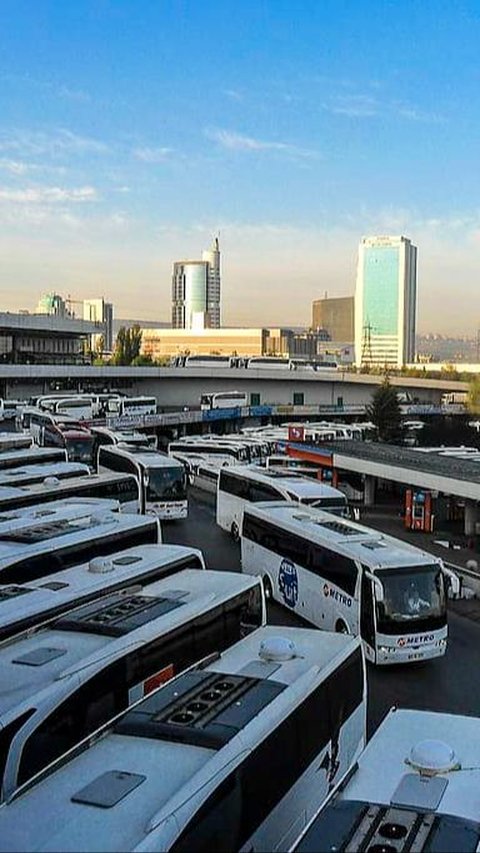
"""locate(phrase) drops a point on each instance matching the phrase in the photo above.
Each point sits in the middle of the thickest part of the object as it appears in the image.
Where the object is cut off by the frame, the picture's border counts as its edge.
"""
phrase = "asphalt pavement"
(449, 684)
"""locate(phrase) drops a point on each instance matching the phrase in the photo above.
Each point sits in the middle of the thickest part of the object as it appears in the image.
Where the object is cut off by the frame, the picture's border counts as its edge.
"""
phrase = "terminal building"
(45, 339)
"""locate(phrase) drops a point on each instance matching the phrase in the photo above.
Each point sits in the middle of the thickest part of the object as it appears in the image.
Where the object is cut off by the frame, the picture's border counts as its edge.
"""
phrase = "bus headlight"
(386, 650)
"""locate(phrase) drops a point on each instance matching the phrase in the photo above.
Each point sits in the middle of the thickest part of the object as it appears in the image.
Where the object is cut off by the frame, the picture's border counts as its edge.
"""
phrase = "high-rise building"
(335, 316)
(385, 302)
(196, 292)
(52, 304)
(101, 312)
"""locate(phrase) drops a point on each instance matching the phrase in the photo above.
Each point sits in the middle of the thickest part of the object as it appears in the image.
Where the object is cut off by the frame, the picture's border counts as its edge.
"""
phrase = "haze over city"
(128, 140)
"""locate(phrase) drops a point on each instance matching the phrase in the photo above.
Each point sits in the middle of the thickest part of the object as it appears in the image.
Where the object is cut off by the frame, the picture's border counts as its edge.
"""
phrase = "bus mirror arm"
(453, 579)
(379, 591)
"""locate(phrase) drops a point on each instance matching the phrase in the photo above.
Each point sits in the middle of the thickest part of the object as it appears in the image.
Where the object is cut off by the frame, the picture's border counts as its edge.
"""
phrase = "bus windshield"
(337, 506)
(166, 484)
(414, 599)
(80, 449)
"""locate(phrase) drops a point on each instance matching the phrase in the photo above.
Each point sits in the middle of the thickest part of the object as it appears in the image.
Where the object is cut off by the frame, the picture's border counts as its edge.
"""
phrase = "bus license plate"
(415, 656)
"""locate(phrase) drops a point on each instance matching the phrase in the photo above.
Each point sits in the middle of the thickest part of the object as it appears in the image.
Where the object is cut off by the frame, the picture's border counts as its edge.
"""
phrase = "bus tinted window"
(53, 561)
(333, 567)
(253, 789)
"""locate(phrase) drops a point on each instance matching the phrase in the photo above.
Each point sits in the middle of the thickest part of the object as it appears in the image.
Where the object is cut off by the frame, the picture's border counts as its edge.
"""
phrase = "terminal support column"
(471, 517)
(369, 490)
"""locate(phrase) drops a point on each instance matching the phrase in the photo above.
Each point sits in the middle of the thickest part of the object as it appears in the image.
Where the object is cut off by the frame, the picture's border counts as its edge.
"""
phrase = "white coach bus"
(37, 547)
(236, 754)
(223, 451)
(415, 787)
(96, 660)
(42, 599)
(82, 582)
(348, 578)
(26, 474)
(239, 486)
(131, 407)
(31, 456)
(223, 400)
(14, 441)
(162, 480)
(120, 487)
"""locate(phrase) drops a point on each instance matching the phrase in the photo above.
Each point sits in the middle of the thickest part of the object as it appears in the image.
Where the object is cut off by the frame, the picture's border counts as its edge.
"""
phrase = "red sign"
(296, 433)
(159, 678)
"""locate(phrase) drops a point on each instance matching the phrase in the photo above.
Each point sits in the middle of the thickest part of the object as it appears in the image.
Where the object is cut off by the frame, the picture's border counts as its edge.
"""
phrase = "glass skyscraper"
(385, 302)
(196, 292)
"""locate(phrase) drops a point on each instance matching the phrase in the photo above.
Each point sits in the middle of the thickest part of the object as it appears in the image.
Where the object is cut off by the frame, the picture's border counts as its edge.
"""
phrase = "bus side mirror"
(356, 513)
(452, 580)
(379, 591)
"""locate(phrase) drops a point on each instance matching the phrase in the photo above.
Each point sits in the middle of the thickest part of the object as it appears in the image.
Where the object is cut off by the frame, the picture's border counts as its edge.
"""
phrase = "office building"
(335, 316)
(159, 343)
(196, 292)
(52, 304)
(100, 312)
(385, 302)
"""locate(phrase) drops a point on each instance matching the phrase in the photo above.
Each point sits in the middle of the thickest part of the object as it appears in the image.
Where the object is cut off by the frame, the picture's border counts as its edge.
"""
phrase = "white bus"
(268, 362)
(206, 361)
(415, 787)
(48, 430)
(162, 480)
(44, 545)
(225, 451)
(104, 435)
(347, 578)
(12, 409)
(223, 400)
(236, 754)
(131, 406)
(121, 487)
(240, 486)
(255, 448)
(205, 477)
(80, 583)
(27, 474)
(31, 456)
(94, 661)
(13, 441)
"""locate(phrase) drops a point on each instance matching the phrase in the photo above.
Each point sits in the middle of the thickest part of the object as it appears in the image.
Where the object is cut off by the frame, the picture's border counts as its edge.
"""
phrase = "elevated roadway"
(178, 387)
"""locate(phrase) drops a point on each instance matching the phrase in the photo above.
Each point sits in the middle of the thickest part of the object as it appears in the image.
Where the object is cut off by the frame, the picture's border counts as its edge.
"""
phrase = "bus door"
(367, 616)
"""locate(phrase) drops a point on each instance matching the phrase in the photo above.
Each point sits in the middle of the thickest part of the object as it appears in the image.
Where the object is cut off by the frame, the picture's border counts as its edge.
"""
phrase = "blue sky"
(131, 132)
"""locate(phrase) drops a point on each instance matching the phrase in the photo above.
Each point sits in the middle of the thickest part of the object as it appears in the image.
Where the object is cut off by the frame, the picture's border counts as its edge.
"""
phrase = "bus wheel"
(267, 588)
(234, 531)
(341, 628)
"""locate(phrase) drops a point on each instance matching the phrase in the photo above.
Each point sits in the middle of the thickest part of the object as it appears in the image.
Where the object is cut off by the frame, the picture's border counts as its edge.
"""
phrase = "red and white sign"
(296, 433)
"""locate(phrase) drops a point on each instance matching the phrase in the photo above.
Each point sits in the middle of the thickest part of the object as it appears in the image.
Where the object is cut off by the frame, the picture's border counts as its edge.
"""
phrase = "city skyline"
(307, 131)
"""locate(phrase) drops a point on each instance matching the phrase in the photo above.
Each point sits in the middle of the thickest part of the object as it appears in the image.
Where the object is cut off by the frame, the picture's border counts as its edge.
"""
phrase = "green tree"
(127, 345)
(384, 411)
(473, 400)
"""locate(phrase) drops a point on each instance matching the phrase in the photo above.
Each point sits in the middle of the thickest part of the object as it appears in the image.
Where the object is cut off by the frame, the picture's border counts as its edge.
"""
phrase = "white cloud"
(234, 141)
(47, 195)
(15, 167)
(353, 106)
(152, 155)
(58, 142)
(234, 94)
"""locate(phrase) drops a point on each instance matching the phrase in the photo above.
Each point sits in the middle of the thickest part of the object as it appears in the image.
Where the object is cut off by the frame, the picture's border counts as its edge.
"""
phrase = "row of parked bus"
(109, 639)
(146, 705)
(257, 362)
